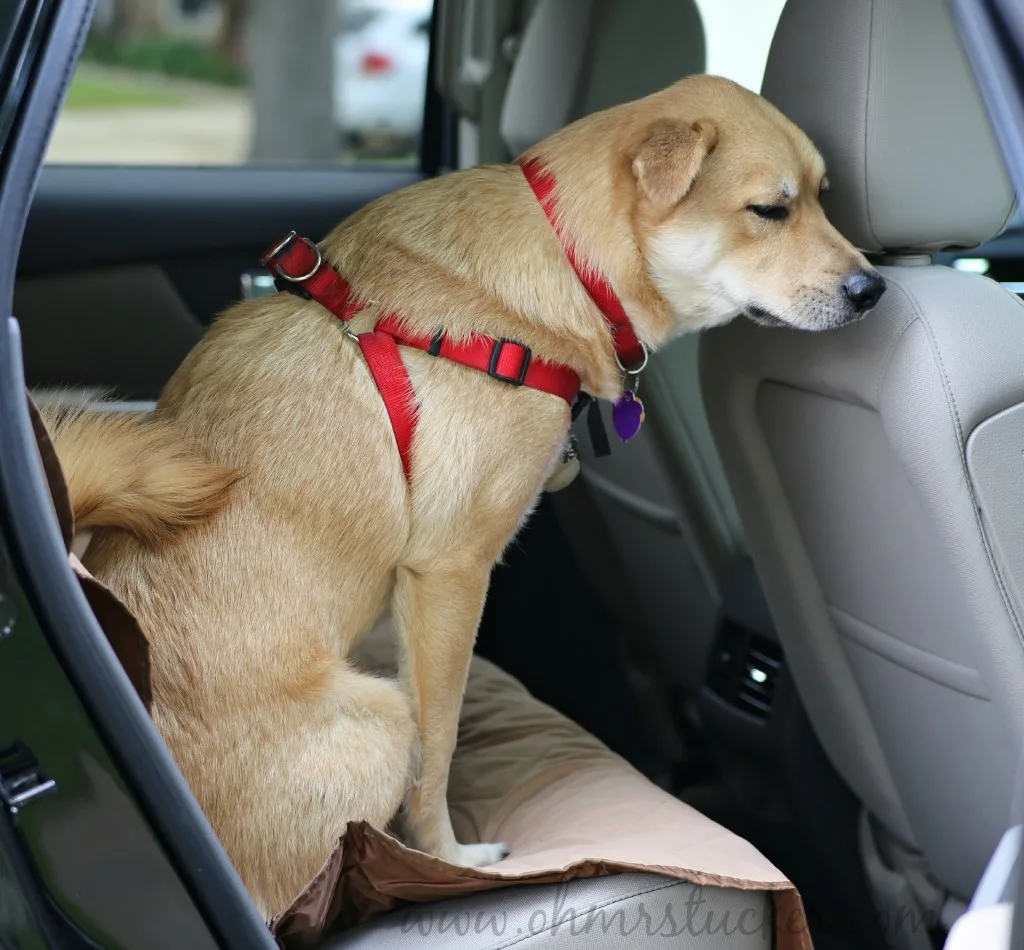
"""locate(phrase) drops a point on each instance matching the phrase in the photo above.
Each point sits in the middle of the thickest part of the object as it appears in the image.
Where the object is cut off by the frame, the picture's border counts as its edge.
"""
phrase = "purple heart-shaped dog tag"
(627, 415)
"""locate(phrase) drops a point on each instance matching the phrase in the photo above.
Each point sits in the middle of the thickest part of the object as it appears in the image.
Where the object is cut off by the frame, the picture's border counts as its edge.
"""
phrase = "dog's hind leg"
(437, 614)
(281, 782)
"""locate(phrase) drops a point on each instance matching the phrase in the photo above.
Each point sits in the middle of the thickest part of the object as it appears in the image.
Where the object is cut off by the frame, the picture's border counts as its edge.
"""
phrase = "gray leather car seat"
(878, 469)
(607, 913)
(658, 532)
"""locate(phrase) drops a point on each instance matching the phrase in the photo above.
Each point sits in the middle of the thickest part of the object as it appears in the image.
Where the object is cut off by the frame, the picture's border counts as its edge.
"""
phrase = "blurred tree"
(231, 27)
(128, 18)
(232, 19)
(290, 61)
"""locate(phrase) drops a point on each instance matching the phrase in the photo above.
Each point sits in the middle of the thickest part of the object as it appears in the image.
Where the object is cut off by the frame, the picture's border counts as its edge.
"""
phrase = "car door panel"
(123, 268)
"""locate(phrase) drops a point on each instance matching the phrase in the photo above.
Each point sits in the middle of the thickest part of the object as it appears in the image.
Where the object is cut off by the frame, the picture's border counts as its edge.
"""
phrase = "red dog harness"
(297, 263)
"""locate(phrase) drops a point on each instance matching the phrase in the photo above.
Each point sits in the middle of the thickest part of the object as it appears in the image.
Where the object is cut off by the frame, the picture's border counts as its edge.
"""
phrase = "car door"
(186, 146)
(101, 842)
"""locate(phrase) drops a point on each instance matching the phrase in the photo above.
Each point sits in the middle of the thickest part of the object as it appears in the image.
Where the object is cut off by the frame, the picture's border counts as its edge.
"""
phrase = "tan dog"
(696, 203)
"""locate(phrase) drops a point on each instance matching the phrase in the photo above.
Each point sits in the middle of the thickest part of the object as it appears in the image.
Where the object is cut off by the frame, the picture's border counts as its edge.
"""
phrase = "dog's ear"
(669, 159)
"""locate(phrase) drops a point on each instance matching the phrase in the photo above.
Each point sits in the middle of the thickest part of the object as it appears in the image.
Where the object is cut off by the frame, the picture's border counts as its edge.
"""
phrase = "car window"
(738, 34)
(222, 82)
(352, 20)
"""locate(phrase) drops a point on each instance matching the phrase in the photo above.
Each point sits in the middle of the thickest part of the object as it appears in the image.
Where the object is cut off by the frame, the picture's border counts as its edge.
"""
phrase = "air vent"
(744, 670)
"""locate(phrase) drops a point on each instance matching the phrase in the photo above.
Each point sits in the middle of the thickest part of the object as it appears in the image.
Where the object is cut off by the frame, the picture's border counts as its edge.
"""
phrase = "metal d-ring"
(312, 245)
(633, 370)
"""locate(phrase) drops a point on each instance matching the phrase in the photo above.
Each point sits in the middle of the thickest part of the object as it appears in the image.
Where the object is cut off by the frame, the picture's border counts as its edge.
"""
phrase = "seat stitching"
(1009, 216)
(892, 349)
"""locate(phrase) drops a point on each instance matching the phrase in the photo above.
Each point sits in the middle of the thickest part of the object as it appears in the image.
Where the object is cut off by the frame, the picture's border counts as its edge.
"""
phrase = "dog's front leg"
(437, 614)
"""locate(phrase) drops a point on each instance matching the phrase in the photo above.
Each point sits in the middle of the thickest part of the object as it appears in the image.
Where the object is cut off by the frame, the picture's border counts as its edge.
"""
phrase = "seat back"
(878, 469)
(661, 503)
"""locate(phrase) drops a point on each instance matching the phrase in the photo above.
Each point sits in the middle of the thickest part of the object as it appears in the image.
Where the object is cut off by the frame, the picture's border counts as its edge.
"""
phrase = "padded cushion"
(568, 806)
(885, 91)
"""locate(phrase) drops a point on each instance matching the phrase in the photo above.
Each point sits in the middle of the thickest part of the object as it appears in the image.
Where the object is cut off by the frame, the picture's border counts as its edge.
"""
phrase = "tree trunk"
(290, 58)
(131, 18)
(231, 27)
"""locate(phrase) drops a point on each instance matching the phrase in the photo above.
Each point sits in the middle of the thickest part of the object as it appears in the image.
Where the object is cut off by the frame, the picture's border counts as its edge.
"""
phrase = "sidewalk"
(205, 125)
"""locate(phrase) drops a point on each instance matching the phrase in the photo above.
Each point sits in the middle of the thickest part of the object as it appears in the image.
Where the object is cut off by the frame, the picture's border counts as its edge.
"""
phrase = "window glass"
(738, 34)
(215, 82)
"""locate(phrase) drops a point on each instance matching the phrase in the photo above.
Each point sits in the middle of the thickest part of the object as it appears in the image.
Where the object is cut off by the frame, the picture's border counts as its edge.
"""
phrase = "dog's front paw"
(478, 855)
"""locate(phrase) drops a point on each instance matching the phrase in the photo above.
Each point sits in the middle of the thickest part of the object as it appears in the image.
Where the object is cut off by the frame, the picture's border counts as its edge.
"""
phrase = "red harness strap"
(389, 373)
(631, 353)
(507, 360)
(298, 261)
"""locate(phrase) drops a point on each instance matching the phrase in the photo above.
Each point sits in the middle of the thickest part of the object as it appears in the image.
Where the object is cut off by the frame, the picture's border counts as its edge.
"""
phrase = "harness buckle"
(271, 259)
(492, 369)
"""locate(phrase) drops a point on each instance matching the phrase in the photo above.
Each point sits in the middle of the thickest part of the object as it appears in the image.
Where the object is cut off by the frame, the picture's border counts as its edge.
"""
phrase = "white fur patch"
(686, 268)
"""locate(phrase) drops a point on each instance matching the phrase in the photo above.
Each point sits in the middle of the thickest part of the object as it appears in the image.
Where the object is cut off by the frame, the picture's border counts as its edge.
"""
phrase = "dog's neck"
(630, 351)
(474, 252)
(596, 230)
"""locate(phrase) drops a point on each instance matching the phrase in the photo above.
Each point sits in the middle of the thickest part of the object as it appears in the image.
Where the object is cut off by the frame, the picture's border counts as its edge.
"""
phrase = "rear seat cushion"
(571, 809)
(605, 913)
(568, 806)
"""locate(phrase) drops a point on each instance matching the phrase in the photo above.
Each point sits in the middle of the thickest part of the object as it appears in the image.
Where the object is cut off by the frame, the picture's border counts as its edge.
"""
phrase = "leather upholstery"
(859, 460)
(877, 468)
(641, 911)
(884, 90)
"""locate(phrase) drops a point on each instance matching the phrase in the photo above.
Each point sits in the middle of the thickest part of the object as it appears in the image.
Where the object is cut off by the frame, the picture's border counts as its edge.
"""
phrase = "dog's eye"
(770, 212)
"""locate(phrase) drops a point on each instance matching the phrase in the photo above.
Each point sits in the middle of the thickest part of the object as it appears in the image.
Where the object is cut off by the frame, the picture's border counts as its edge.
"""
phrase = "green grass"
(168, 56)
(90, 92)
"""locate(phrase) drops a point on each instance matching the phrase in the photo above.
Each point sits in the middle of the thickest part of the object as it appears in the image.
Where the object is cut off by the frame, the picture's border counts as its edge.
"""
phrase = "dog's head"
(728, 216)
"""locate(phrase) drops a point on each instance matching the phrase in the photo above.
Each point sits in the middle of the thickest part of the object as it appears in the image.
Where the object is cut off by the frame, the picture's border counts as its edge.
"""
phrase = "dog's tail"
(145, 476)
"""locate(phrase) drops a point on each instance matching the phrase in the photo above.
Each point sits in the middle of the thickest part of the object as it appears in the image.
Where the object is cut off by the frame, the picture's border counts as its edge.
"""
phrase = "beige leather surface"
(879, 531)
(885, 91)
(634, 911)
(848, 458)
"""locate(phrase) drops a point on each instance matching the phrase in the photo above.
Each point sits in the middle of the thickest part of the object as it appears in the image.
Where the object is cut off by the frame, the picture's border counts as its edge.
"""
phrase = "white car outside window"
(381, 74)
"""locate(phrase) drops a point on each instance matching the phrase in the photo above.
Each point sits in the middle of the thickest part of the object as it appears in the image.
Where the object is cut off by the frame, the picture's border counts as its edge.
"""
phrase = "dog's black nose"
(863, 289)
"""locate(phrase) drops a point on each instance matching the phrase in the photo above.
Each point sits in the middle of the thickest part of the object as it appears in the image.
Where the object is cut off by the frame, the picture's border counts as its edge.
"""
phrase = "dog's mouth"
(762, 317)
(823, 321)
